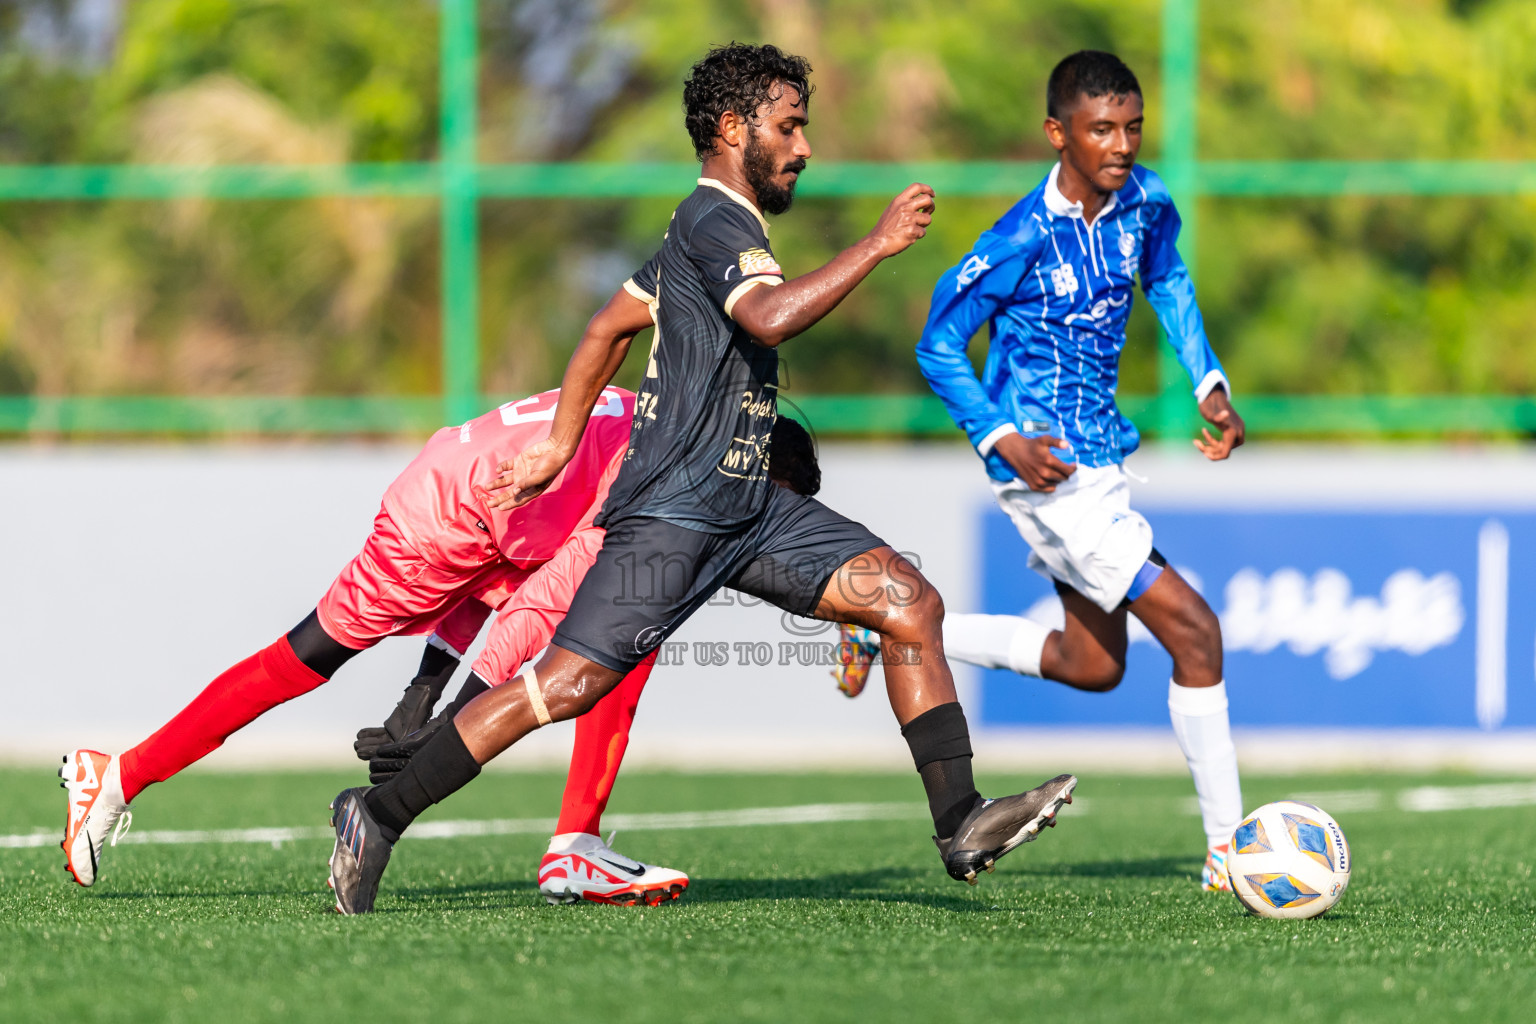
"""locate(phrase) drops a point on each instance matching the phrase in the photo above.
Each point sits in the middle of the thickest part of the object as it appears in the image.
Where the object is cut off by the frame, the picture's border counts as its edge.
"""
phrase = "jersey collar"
(743, 200)
(1061, 206)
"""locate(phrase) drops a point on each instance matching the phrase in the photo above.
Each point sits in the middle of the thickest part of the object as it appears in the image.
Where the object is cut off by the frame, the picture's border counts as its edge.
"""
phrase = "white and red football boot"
(580, 866)
(97, 810)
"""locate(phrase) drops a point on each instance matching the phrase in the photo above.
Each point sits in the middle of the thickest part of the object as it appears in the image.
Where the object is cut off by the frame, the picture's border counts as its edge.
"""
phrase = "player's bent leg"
(1088, 653)
(100, 787)
(881, 590)
(1197, 706)
(563, 685)
(1185, 625)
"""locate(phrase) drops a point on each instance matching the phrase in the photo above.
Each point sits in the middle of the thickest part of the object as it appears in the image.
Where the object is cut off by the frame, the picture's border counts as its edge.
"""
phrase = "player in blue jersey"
(1052, 281)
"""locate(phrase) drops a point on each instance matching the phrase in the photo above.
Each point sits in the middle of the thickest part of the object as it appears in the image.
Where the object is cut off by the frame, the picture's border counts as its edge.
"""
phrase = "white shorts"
(1084, 534)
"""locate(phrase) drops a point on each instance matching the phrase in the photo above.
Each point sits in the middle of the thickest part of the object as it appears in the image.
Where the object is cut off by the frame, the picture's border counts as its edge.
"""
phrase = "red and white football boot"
(97, 811)
(580, 866)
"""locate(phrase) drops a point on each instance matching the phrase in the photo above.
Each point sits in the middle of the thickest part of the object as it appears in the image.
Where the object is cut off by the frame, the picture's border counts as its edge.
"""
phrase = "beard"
(758, 164)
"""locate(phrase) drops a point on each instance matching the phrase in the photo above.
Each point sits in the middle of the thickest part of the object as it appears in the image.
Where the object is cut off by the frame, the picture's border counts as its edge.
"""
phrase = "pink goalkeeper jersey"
(450, 474)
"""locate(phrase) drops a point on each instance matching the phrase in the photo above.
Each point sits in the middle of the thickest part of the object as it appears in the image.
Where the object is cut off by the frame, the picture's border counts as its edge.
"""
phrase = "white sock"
(997, 641)
(577, 842)
(1199, 715)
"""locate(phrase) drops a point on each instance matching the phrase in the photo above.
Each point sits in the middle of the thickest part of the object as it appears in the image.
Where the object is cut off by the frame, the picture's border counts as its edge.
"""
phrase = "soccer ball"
(1289, 859)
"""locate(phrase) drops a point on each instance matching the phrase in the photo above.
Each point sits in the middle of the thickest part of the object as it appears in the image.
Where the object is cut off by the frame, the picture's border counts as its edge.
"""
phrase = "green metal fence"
(458, 181)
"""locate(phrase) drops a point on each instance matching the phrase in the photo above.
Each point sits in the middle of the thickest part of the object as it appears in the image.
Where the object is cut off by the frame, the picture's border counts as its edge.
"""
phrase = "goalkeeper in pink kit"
(440, 559)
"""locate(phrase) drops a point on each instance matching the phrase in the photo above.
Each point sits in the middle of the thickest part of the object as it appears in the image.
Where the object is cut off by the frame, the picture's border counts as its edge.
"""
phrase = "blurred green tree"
(337, 296)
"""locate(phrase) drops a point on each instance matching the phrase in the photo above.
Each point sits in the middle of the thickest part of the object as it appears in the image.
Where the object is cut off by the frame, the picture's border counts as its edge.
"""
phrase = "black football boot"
(360, 855)
(996, 826)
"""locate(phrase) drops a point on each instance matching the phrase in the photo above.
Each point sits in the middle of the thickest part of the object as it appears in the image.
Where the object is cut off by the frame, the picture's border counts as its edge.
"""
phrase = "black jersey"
(698, 447)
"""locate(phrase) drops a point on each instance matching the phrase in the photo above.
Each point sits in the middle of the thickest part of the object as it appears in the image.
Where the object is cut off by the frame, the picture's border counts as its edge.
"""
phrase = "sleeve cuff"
(746, 286)
(637, 291)
(1208, 384)
(443, 645)
(984, 447)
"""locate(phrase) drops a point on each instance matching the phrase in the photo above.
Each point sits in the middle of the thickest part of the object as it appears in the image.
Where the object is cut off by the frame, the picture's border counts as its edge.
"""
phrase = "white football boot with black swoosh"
(580, 866)
(98, 814)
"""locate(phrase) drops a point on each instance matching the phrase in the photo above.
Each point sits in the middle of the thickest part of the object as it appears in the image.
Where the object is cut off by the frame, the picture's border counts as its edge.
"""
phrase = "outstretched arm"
(597, 358)
(774, 315)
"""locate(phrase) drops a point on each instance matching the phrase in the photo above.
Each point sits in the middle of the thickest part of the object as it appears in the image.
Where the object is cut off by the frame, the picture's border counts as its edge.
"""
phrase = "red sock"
(233, 700)
(601, 736)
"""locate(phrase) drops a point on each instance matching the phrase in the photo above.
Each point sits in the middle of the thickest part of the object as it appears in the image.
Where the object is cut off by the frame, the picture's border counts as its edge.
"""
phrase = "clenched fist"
(905, 220)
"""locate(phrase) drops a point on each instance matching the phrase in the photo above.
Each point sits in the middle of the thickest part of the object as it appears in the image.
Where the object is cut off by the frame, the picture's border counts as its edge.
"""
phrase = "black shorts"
(651, 574)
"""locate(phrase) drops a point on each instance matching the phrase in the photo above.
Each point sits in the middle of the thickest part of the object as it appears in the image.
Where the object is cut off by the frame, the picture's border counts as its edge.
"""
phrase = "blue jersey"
(1055, 292)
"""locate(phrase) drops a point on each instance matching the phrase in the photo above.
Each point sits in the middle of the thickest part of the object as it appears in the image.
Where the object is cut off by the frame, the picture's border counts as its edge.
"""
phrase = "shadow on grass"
(874, 886)
(1151, 867)
(212, 894)
(888, 885)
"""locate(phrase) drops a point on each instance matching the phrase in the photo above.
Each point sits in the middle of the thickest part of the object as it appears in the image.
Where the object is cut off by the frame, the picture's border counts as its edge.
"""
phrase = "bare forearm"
(592, 366)
(597, 358)
(774, 315)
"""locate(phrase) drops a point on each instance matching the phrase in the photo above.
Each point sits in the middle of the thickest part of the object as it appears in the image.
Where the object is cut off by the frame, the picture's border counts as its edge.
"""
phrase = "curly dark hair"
(792, 459)
(740, 78)
(1090, 73)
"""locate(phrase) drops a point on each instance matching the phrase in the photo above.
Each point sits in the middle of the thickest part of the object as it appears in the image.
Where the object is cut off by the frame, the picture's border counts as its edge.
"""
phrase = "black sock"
(442, 767)
(941, 749)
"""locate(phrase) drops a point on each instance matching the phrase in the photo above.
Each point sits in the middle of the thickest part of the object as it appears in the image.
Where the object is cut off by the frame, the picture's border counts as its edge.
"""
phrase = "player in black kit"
(692, 509)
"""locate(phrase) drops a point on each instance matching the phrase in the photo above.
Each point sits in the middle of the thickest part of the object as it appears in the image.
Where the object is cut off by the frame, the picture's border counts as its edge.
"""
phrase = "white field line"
(1332, 801)
(1456, 798)
(1422, 799)
(1344, 799)
(802, 814)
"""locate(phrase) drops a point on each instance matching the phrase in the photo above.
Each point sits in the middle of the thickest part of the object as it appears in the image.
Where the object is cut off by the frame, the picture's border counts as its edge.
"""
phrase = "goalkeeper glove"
(415, 706)
(390, 758)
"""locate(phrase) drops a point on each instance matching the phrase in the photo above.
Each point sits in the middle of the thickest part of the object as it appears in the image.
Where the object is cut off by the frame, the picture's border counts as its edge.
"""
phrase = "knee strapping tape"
(536, 697)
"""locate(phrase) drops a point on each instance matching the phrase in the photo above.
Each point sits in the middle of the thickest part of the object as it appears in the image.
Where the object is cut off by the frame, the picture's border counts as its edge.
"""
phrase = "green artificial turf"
(1100, 920)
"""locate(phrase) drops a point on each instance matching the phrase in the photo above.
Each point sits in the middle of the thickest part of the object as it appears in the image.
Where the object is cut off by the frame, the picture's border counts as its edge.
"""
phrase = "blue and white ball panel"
(1310, 838)
(1281, 890)
(1250, 837)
